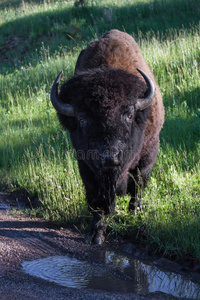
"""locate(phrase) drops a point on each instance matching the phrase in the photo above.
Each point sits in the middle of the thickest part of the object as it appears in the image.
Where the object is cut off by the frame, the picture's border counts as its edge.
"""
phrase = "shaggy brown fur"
(119, 50)
(103, 92)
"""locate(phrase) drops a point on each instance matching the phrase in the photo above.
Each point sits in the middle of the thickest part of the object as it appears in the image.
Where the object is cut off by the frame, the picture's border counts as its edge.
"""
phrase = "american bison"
(114, 112)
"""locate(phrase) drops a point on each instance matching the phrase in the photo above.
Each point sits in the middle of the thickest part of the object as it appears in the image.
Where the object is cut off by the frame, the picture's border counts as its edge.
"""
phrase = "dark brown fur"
(105, 85)
(118, 50)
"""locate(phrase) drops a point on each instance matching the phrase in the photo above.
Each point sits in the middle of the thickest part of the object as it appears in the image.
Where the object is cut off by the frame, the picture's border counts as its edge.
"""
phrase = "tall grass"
(40, 38)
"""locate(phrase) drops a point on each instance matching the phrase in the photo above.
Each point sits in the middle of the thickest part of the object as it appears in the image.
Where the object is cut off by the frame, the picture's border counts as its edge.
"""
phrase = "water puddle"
(120, 274)
(4, 206)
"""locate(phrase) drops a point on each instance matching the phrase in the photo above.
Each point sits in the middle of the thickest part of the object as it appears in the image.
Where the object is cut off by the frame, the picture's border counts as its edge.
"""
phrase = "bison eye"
(130, 116)
(82, 122)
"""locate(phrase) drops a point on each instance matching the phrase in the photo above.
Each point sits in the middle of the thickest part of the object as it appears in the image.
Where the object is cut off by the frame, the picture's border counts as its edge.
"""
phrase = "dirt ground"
(25, 238)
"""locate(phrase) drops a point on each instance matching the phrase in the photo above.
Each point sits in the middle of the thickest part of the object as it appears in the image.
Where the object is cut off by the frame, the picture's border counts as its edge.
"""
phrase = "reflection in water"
(120, 274)
(4, 206)
(63, 270)
(170, 283)
(71, 272)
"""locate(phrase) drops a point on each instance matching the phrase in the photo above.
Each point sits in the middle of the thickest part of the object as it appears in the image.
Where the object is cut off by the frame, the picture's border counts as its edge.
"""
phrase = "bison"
(114, 112)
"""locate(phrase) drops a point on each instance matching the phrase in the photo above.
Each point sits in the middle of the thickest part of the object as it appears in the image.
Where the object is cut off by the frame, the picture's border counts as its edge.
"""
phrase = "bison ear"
(62, 108)
(145, 102)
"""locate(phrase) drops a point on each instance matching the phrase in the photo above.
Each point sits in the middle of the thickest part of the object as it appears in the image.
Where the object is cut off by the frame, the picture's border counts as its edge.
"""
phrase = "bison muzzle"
(114, 112)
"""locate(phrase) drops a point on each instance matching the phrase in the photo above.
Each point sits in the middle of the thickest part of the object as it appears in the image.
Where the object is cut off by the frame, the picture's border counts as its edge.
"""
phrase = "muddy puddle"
(4, 206)
(120, 273)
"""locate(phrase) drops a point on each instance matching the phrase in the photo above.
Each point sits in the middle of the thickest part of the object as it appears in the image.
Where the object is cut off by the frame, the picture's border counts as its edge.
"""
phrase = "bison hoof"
(135, 206)
(95, 238)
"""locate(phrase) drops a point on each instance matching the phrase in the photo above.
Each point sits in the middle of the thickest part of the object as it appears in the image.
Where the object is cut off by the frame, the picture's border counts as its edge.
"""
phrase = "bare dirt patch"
(24, 238)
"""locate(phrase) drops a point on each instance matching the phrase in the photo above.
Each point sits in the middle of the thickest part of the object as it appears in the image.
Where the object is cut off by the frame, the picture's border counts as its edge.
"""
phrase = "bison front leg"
(100, 202)
(138, 178)
(103, 205)
(136, 184)
(97, 233)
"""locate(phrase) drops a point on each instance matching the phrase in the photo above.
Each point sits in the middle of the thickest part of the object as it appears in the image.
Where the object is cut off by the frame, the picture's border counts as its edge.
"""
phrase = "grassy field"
(40, 38)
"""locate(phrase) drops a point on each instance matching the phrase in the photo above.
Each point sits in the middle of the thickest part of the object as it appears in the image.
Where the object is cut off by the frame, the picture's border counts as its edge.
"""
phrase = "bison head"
(105, 112)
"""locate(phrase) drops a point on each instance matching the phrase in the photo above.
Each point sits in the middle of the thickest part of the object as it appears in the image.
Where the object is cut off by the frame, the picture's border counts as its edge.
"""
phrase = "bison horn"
(145, 102)
(62, 108)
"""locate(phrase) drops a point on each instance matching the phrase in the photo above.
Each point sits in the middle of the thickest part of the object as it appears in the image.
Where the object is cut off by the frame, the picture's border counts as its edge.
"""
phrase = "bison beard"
(106, 195)
(112, 102)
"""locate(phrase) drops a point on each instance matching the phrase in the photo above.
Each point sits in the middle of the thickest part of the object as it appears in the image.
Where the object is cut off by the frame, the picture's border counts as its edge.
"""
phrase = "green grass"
(40, 38)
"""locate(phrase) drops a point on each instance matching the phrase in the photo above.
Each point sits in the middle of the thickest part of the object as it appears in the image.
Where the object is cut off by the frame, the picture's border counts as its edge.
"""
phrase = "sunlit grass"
(36, 155)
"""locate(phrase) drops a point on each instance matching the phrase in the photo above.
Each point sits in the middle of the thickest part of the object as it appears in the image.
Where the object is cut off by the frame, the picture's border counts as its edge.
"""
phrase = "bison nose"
(110, 160)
